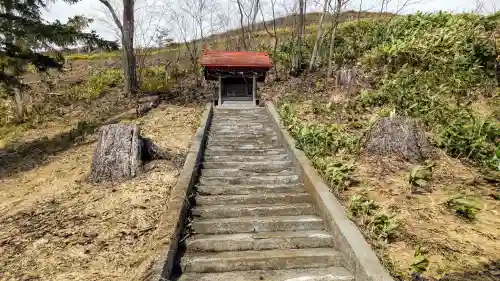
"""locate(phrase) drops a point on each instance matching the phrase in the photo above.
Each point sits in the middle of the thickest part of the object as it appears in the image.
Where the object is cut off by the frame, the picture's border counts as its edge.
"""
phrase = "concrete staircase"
(252, 219)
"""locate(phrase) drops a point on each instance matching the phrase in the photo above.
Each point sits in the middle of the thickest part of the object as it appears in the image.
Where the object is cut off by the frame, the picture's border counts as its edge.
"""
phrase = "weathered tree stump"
(120, 152)
(398, 136)
(150, 151)
(143, 108)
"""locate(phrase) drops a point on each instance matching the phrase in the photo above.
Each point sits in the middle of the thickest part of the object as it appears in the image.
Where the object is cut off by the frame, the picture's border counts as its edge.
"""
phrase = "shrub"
(420, 175)
(153, 80)
(464, 207)
(380, 225)
(360, 205)
(319, 142)
(430, 66)
(420, 261)
(96, 85)
(384, 227)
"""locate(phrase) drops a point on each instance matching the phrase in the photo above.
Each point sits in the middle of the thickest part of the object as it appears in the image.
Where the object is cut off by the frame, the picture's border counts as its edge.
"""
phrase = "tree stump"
(117, 155)
(398, 136)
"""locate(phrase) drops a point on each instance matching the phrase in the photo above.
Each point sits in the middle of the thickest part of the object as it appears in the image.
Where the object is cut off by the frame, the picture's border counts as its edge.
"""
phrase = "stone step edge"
(301, 274)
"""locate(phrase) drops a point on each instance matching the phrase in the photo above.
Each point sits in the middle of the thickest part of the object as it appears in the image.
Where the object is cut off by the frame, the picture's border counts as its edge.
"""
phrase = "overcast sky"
(154, 13)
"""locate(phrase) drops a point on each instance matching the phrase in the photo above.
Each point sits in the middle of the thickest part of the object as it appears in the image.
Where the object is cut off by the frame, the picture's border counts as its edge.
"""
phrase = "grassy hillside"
(439, 217)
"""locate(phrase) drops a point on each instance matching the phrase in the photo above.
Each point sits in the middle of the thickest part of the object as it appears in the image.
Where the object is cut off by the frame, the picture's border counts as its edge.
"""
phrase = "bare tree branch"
(113, 14)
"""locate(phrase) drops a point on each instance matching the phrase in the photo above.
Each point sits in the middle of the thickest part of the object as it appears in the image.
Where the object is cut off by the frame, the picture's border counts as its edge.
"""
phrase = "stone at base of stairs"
(309, 274)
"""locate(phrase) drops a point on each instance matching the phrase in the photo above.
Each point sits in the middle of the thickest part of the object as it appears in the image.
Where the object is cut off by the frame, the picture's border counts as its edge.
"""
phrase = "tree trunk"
(129, 62)
(19, 101)
(120, 153)
(297, 62)
(254, 11)
(274, 26)
(332, 38)
(240, 8)
(117, 156)
(319, 32)
(127, 36)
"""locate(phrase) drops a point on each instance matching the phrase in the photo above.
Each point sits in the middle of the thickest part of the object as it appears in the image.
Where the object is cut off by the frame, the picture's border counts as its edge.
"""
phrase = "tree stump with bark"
(120, 153)
(398, 136)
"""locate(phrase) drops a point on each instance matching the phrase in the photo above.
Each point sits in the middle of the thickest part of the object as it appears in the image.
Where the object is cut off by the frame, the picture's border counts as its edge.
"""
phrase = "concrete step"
(244, 143)
(246, 158)
(291, 179)
(249, 152)
(241, 121)
(240, 112)
(240, 126)
(243, 125)
(260, 241)
(299, 274)
(256, 224)
(261, 260)
(243, 117)
(243, 139)
(227, 172)
(259, 127)
(243, 133)
(250, 166)
(249, 189)
(269, 198)
(257, 210)
(243, 147)
(244, 122)
(235, 117)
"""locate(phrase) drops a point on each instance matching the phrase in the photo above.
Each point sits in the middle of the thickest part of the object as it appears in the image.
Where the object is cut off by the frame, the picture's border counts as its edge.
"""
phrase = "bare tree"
(248, 11)
(297, 60)
(319, 33)
(383, 5)
(127, 40)
(254, 12)
(479, 6)
(336, 15)
(359, 10)
(242, 24)
(192, 18)
(275, 33)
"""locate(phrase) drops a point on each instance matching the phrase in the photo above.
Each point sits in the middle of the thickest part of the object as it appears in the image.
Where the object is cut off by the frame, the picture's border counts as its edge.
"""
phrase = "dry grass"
(54, 226)
(454, 244)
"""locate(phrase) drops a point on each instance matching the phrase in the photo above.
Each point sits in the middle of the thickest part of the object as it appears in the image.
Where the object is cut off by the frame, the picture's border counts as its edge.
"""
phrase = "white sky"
(155, 14)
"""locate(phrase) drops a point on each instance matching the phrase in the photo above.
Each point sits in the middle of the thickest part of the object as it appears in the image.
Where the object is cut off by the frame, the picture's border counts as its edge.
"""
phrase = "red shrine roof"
(227, 59)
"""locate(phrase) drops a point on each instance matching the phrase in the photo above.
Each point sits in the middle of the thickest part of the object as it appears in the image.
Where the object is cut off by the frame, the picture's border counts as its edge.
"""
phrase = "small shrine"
(237, 74)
